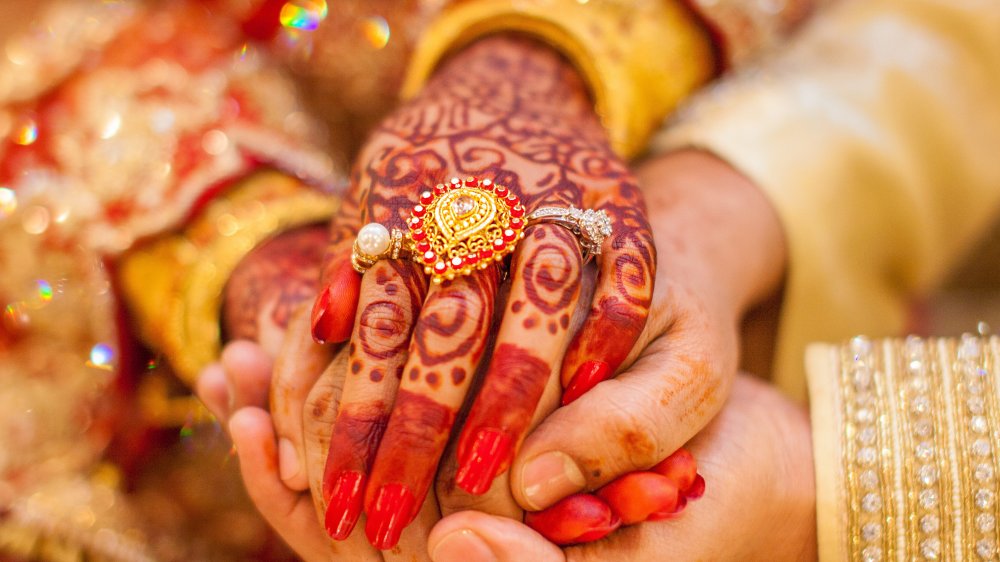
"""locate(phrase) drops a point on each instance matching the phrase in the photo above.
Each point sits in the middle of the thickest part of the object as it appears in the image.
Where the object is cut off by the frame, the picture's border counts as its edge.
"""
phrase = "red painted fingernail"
(587, 376)
(321, 317)
(389, 515)
(696, 489)
(334, 310)
(345, 504)
(574, 519)
(491, 448)
(660, 516)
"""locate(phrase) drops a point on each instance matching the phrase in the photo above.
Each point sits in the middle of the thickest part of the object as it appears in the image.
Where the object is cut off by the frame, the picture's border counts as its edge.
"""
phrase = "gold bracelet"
(639, 59)
(173, 285)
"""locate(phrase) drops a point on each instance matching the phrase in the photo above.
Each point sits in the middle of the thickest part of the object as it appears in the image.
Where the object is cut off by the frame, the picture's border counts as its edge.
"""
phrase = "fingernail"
(548, 478)
(288, 460)
(462, 546)
(322, 321)
(389, 515)
(345, 504)
(587, 376)
(681, 504)
(696, 489)
(490, 449)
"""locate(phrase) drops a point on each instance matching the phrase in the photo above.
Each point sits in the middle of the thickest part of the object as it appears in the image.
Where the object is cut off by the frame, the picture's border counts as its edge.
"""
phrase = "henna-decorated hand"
(756, 453)
(267, 284)
(512, 111)
(270, 282)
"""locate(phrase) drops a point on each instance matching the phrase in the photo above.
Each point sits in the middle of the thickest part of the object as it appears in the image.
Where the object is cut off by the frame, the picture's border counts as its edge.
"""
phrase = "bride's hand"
(267, 286)
(512, 111)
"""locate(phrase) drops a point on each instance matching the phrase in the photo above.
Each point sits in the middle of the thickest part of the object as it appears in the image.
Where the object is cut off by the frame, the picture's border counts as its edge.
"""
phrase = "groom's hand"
(757, 457)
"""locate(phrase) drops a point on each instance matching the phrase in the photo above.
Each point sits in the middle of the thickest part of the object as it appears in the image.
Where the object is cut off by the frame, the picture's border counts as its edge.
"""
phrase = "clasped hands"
(368, 429)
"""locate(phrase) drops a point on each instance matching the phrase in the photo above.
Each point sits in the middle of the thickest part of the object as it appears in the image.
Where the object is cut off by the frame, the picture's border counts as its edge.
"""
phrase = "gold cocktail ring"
(460, 226)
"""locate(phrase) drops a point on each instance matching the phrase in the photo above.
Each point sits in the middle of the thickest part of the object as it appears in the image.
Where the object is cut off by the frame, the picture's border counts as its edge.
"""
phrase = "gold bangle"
(640, 61)
(173, 285)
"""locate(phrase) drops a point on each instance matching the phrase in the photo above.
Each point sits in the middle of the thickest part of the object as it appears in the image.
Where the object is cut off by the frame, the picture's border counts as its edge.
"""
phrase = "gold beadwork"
(918, 432)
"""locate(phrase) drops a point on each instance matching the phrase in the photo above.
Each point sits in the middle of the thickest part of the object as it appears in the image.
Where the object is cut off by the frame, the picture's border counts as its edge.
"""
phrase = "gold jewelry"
(906, 448)
(174, 285)
(462, 226)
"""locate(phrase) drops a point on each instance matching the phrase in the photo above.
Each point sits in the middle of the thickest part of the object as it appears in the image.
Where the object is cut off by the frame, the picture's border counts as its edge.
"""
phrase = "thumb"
(472, 536)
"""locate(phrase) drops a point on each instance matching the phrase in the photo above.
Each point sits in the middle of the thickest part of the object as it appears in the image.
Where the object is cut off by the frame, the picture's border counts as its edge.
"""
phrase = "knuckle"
(382, 324)
(632, 428)
(452, 301)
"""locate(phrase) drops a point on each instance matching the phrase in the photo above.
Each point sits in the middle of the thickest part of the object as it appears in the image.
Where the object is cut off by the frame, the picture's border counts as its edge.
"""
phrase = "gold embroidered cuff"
(639, 59)
(174, 284)
(906, 448)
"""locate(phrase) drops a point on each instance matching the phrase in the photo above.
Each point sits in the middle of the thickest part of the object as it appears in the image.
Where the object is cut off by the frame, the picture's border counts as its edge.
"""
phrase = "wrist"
(714, 228)
(526, 79)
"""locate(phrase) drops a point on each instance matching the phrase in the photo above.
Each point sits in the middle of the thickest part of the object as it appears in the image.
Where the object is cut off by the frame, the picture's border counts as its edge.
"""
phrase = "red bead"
(423, 247)
(416, 224)
(429, 257)
(426, 198)
(512, 200)
(485, 254)
(501, 191)
(440, 267)
(457, 262)
(499, 244)
(418, 235)
(487, 184)
(472, 258)
(455, 182)
(509, 235)
(517, 211)
(516, 223)
(418, 210)
(440, 188)
(470, 182)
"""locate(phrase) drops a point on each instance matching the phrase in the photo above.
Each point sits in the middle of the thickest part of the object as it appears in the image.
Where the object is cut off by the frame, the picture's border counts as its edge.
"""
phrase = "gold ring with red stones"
(460, 226)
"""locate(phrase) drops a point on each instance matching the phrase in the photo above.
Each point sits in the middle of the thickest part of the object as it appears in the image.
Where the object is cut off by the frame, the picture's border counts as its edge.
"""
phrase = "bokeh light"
(36, 219)
(305, 15)
(101, 356)
(8, 202)
(376, 30)
(26, 132)
(44, 291)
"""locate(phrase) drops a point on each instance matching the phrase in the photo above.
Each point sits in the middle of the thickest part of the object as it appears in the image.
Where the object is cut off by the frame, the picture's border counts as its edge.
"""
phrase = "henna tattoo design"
(419, 427)
(276, 277)
(551, 274)
(456, 326)
(500, 417)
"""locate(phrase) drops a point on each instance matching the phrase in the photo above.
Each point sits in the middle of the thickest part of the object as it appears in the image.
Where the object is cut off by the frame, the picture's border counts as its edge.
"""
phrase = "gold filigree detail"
(462, 226)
